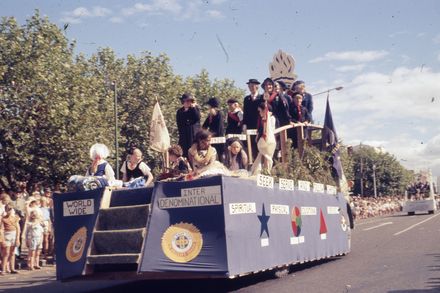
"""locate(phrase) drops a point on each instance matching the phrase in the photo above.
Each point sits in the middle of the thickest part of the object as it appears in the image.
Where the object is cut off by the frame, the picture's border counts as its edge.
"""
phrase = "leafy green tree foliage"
(55, 105)
(391, 176)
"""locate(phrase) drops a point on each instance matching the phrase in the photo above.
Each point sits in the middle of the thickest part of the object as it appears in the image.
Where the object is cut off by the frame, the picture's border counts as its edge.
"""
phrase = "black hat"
(213, 102)
(232, 101)
(282, 84)
(298, 82)
(186, 96)
(266, 81)
(253, 80)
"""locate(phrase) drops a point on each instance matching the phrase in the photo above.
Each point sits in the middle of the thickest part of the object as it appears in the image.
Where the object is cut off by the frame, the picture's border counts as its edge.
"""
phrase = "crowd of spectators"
(367, 207)
(26, 227)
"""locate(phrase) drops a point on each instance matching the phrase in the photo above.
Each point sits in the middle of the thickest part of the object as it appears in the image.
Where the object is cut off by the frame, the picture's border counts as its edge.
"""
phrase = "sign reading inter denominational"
(193, 197)
(78, 207)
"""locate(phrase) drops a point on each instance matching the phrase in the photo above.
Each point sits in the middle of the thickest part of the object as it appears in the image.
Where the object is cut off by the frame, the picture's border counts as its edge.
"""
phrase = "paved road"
(396, 254)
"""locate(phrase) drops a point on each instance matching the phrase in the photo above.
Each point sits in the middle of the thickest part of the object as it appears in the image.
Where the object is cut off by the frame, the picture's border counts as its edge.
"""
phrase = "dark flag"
(330, 141)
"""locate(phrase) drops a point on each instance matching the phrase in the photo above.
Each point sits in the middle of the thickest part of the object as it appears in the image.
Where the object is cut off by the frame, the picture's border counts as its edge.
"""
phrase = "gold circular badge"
(182, 242)
(76, 245)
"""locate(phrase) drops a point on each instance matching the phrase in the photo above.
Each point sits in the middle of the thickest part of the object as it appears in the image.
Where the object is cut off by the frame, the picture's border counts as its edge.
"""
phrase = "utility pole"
(362, 177)
(374, 180)
(116, 128)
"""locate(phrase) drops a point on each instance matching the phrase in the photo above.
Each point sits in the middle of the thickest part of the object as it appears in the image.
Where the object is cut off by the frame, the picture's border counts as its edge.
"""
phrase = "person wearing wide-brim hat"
(188, 121)
(268, 80)
(214, 122)
(299, 86)
(235, 117)
(250, 111)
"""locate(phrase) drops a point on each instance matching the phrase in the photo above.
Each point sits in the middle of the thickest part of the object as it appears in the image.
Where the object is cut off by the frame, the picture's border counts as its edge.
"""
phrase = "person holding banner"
(265, 139)
(188, 121)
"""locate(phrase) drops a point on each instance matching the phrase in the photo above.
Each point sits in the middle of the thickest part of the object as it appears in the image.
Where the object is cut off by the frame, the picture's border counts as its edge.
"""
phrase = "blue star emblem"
(263, 220)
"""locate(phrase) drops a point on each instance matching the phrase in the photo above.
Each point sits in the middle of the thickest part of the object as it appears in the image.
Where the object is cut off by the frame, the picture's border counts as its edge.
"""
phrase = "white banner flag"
(159, 136)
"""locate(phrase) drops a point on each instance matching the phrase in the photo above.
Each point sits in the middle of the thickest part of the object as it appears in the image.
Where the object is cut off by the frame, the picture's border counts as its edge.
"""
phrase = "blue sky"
(386, 54)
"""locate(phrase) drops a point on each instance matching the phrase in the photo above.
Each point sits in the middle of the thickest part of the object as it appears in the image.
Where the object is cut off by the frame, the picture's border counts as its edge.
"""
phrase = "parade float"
(420, 197)
(215, 226)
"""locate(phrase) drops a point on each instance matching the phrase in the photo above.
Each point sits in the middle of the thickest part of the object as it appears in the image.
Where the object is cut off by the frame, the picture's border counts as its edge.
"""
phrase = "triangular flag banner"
(322, 225)
(330, 141)
(159, 135)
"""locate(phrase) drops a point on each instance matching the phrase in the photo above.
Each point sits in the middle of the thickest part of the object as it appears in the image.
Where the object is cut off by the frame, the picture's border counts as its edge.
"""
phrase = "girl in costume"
(235, 157)
(179, 164)
(135, 167)
(203, 156)
(100, 167)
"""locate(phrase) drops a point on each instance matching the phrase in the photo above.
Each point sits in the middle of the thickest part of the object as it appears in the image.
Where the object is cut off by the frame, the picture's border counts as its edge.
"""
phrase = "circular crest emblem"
(75, 246)
(343, 223)
(182, 242)
(296, 221)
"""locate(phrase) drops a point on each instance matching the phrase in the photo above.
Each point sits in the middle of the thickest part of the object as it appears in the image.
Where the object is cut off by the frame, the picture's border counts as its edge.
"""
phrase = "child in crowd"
(235, 157)
(34, 240)
(10, 234)
(46, 223)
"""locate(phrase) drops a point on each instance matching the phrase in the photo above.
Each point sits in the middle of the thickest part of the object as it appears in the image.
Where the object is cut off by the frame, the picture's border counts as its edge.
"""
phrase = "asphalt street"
(396, 254)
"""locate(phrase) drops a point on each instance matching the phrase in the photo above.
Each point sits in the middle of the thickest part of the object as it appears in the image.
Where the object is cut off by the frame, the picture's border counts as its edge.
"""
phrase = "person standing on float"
(250, 112)
(188, 122)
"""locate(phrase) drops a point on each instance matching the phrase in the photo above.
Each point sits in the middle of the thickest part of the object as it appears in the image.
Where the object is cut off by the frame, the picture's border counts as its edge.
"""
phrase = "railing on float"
(281, 132)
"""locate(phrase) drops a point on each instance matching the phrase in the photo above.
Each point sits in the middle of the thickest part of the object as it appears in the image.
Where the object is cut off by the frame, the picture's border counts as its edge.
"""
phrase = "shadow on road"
(432, 283)
(206, 285)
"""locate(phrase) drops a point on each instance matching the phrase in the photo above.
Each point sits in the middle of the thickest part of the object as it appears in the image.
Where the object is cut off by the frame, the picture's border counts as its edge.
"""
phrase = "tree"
(391, 176)
(55, 105)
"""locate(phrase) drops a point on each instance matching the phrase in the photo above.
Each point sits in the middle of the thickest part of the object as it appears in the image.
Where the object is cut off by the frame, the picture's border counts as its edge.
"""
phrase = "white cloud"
(214, 14)
(190, 9)
(396, 110)
(156, 7)
(79, 13)
(350, 68)
(353, 56)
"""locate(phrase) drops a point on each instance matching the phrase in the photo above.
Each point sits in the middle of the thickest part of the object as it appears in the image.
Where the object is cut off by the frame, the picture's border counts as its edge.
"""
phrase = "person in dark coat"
(300, 87)
(235, 117)
(280, 106)
(188, 122)
(214, 123)
(250, 105)
(250, 111)
(298, 114)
